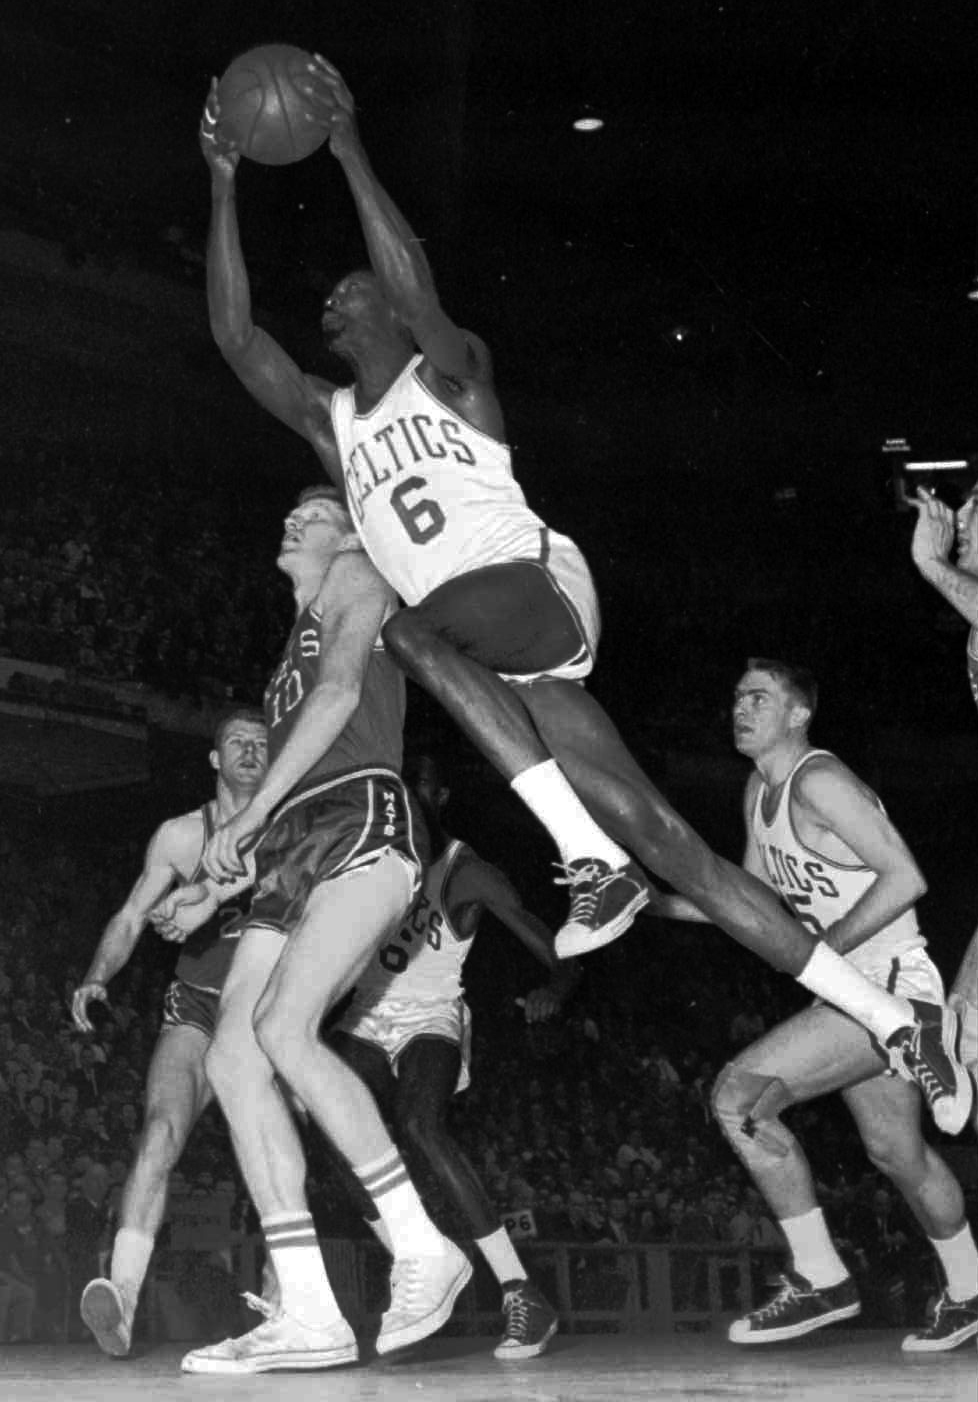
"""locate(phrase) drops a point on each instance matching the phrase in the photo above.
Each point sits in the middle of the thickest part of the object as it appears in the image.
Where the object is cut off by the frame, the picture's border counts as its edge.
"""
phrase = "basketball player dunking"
(176, 1086)
(502, 621)
(818, 835)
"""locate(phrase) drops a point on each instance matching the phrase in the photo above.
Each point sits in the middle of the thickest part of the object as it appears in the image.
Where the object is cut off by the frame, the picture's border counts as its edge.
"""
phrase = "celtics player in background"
(502, 621)
(407, 1035)
(176, 1087)
(938, 532)
(820, 837)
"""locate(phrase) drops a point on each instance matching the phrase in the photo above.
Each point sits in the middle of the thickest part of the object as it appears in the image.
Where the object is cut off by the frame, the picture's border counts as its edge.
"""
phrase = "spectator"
(32, 1266)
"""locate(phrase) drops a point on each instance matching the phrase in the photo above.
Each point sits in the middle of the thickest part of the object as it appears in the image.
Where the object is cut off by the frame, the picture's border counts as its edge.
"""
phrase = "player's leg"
(512, 619)
(345, 919)
(176, 1095)
(887, 1115)
(370, 1063)
(623, 799)
(427, 1077)
(963, 998)
(307, 1330)
(817, 1051)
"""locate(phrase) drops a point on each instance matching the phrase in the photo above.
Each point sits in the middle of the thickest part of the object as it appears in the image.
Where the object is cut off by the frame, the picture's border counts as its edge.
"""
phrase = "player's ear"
(443, 795)
(800, 716)
(215, 759)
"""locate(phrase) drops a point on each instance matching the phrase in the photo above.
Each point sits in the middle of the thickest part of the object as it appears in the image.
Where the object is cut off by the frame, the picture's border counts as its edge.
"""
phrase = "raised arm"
(396, 254)
(354, 601)
(268, 373)
(930, 550)
(160, 871)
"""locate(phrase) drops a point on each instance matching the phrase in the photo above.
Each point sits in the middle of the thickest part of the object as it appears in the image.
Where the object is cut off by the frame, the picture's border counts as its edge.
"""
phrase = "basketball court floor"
(836, 1367)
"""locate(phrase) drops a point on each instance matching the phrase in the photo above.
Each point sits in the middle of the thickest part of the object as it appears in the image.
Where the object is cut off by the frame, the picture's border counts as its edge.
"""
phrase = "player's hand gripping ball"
(264, 112)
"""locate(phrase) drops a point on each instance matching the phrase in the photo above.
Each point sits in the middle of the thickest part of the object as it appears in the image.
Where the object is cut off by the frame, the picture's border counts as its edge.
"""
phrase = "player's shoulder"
(478, 372)
(177, 836)
(352, 574)
(822, 775)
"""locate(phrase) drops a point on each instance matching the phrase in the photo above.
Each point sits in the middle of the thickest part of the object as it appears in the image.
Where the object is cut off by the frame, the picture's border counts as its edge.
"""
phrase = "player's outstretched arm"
(480, 883)
(836, 801)
(354, 601)
(124, 928)
(184, 909)
(396, 254)
(269, 374)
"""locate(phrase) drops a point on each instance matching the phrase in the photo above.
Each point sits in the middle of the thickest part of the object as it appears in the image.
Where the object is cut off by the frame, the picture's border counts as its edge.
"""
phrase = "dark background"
(706, 317)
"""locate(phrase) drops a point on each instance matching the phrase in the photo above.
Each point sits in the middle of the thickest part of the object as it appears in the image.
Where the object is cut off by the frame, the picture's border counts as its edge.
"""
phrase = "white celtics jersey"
(422, 963)
(431, 496)
(819, 890)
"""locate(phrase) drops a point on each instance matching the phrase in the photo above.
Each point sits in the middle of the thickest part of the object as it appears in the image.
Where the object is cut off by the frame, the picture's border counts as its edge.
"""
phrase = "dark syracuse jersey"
(373, 736)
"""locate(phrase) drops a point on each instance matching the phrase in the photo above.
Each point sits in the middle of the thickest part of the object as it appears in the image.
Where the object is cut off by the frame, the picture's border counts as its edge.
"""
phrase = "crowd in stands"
(151, 578)
(165, 577)
(595, 1128)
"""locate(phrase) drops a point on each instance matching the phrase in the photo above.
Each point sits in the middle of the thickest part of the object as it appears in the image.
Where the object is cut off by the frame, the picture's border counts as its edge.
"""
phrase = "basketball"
(262, 110)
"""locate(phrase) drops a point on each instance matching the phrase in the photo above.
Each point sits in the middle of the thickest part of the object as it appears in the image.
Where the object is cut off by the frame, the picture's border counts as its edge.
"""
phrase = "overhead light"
(588, 124)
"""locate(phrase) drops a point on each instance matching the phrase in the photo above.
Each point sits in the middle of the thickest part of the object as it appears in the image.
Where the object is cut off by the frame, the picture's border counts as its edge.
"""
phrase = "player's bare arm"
(930, 550)
(477, 885)
(458, 366)
(170, 857)
(837, 816)
(269, 374)
(354, 600)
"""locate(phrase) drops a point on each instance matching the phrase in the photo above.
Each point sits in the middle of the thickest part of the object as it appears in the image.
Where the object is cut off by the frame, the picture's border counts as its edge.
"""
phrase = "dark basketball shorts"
(185, 1005)
(330, 830)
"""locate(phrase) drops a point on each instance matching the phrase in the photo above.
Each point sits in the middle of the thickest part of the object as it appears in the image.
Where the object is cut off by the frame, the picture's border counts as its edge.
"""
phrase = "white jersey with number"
(421, 963)
(431, 496)
(819, 890)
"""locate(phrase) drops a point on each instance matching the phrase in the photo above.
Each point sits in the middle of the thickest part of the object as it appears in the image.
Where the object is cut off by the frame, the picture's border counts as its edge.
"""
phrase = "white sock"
(959, 1259)
(833, 978)
(813, 1254)
(545, 791)
(131, 1252)
(410, 1229)
(500, 1256)
(305, 1291)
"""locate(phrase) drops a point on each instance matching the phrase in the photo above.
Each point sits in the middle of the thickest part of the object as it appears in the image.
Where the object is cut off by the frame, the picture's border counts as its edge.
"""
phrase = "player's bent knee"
(747, 1107)
(284, 1041)
(897, 1156)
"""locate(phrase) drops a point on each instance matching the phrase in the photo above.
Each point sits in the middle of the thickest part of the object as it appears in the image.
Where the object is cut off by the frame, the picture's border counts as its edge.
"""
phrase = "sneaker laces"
(407, 1284)
(587, 883)
(259, 1305)
(931, 1085)
(787, 1295)
(516, 1308)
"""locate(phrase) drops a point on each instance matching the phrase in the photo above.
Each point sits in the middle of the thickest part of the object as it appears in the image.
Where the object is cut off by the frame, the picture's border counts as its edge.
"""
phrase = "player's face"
(356, 300)
(312, 530)
(242, 757)
(761, 713)
(966, 533)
